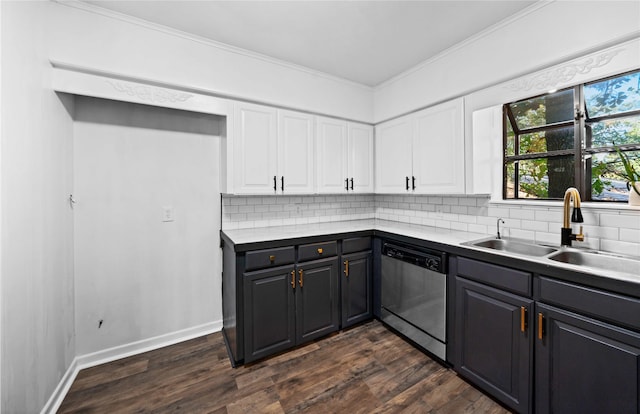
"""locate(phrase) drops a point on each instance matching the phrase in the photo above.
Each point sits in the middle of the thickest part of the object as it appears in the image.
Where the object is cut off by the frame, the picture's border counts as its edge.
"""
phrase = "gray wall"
(144, 277)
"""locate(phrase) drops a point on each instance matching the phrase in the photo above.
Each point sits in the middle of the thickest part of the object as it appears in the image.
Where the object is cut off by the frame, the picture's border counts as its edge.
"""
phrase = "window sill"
(584, 204)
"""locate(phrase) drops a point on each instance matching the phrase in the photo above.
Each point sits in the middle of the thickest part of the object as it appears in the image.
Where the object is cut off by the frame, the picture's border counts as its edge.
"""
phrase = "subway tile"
(620, 220)
(237, 201)
(498, 211)
(245, 209)
(477, 228)
(521, 214)
(521, 234)
(534, 225)
(458, 209)
(468, 201)
(611, 233)
(630, 235)
(620, 247)
(459, 226)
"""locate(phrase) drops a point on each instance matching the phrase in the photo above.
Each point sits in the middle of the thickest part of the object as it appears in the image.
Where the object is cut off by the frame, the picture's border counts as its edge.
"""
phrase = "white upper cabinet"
(438, 149)
(255, 149)
(331, 155)
(273, 151)
(360, 165)
(393, 155)
(295, 152)
(344, 156)
(422, 153)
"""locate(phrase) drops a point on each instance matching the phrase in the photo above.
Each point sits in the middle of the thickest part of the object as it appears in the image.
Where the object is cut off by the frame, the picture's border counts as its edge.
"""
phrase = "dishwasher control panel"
(429, 259)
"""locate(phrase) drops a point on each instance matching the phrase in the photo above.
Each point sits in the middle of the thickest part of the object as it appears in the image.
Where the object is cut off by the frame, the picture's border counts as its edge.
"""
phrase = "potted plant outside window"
(632, 175)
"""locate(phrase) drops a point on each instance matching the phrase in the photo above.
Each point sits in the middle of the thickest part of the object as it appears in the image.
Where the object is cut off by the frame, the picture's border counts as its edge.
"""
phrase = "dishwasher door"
(414, 302)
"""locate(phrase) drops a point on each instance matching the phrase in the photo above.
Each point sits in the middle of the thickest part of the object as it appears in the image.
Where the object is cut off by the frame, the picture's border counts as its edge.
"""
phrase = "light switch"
(167, 213)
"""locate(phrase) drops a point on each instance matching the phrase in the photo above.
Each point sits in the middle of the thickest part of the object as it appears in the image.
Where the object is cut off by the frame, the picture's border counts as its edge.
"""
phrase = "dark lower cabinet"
(493, 346)
(289, 305)
(356, 287)
(270, 311)
(584, 365)
(317, 299)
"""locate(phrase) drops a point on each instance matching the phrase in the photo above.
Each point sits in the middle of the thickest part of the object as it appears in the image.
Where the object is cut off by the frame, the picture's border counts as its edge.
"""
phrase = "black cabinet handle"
(275, 183)
(413, 182)
(407, 183)
(352, 183)
(346, 184)
(282, 183)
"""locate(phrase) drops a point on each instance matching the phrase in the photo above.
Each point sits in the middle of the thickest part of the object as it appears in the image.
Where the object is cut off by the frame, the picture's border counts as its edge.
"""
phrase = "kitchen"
(49, 329)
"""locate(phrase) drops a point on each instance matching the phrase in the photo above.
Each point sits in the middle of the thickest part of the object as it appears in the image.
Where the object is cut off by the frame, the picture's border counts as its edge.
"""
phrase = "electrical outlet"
(167, 213)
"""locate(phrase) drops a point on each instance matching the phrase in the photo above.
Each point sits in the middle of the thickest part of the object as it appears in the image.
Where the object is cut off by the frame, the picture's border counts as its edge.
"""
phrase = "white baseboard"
(119, 352)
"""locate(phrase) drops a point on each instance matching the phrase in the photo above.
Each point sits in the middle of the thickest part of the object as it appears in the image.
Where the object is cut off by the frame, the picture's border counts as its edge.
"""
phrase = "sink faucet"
(498, 228)
(566, 231)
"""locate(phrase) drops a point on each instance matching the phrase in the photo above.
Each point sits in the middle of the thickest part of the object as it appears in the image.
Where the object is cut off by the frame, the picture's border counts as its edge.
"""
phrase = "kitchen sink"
(598, 260)
(514, 246)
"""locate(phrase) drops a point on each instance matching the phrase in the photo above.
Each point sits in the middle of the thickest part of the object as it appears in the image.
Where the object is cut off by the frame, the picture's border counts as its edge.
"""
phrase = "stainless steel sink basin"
(514, 246)
(599, 261)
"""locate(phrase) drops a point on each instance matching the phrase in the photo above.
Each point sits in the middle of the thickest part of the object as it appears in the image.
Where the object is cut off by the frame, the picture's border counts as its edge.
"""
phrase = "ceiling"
(367, 42)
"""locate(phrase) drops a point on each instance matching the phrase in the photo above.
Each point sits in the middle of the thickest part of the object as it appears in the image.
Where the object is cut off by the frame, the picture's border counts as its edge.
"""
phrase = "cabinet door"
(317, 303)
(269, 311)
(355, 284)
(438, 149)
(331, 155)
(360, 163)
(585, 366)
(393, 156)
(491, 350)
(295, 153)
(255, 149)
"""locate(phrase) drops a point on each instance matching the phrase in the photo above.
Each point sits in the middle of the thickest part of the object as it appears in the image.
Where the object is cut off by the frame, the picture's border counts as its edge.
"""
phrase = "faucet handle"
(580, 236)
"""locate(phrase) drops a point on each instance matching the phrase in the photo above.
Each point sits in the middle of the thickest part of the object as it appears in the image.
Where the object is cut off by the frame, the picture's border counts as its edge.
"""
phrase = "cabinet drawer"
(259, 259)
(600, 304)
(505, 278)
(356, 244)
(317, 250)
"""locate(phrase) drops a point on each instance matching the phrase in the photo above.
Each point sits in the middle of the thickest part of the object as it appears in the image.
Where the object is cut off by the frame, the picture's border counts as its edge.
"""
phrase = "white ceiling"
(367, 42)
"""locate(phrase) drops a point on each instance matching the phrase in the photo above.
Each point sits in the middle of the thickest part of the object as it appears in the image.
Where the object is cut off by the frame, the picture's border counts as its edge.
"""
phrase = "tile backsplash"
(610, 229)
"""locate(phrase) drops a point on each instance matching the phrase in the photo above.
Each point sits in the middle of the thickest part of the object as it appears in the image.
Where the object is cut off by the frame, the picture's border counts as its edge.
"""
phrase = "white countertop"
(433, 234)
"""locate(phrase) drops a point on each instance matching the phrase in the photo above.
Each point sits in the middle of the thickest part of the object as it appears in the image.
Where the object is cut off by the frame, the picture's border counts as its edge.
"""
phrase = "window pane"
(511, 139)
(613, 96)
(511, 187)
(619, 131)
(549, 140)
(544, 110)
(546, 177)
(608, 182)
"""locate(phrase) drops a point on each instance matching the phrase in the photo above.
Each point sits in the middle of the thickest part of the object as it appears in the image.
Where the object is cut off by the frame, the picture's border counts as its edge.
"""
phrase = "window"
(571, 138)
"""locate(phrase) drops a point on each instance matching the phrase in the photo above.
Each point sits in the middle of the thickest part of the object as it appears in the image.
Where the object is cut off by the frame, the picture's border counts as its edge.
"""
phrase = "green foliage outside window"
(540, 142)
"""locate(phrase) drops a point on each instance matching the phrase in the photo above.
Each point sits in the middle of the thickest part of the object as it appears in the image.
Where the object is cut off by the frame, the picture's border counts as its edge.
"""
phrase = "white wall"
(87, 38)
(543, 35)
(144, 277)
(36, 283)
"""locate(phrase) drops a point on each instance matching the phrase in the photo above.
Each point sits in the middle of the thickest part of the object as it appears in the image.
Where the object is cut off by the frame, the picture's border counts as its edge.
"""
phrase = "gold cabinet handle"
(523, 319)
(320, 250)
(301, 279)
(540, 325)
(346, 268)
(293, 279)
(272, 258)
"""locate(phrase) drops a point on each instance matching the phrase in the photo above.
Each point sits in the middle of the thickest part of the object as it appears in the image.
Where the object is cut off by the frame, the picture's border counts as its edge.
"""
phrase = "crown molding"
(80, 5)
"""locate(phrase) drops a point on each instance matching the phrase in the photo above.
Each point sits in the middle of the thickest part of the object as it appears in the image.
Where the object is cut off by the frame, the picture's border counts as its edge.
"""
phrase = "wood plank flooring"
(367, 369)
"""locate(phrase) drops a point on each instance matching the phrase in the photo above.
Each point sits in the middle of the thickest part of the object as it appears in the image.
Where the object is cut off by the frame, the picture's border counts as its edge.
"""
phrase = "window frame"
(582, 151)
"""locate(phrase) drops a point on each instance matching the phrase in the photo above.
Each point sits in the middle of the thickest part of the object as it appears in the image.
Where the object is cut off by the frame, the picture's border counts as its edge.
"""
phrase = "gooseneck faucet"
(498, 228)
(567, 234)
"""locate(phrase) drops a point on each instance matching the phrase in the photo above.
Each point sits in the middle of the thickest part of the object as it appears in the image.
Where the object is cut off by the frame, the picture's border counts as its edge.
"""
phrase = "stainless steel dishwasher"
(414, 295)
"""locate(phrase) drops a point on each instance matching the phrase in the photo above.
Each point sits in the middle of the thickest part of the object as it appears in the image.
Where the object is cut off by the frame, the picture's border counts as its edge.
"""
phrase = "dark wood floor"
(366, 369)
